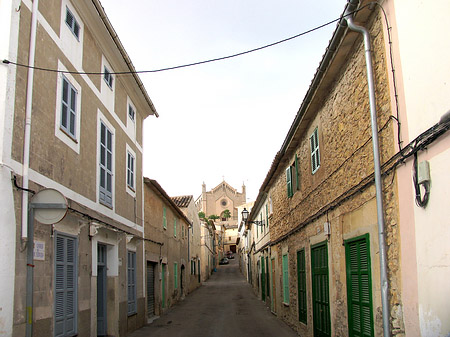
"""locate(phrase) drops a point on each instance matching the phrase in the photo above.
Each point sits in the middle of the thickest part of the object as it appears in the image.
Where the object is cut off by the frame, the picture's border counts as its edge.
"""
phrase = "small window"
(130, 170)
(164, 218)
(315, 153)
(131, 112)
(68, 108)
(175, 227)
(108, 77)
(72, 23)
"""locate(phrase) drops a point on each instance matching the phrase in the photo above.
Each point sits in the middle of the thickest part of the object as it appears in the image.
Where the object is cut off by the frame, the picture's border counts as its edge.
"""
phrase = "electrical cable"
(394, 82)
(5, 61)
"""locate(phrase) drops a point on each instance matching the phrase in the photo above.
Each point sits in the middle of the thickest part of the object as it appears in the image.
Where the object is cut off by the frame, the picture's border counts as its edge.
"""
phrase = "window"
(175, 275)
(130, 170)
(68, 108)
(267, 215)
(315, 154)
(131, 282)
(131, 112)
(292, 178)
(301, 283)
(65, 285)
(175, 227)
(285, 279)
(108, 77)
(106, 165)
(164, 218)
(72, 23)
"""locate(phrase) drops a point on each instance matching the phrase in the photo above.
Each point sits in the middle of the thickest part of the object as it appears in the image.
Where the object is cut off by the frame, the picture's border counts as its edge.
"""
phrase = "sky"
(222, 120)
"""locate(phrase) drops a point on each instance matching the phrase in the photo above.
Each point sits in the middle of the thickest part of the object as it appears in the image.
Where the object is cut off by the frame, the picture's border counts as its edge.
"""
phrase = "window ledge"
(69, 135)
(286, 304)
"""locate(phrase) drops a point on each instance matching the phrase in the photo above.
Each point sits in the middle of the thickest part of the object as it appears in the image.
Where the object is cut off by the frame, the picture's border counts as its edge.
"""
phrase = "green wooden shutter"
(285, 279)
(289, 182)
(359, 287)
(163, 285)
(301, 280)
(263, 279)
(175, 275)
(267, 215)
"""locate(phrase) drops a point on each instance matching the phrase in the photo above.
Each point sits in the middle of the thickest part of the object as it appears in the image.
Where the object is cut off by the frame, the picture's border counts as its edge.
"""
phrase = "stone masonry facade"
(341, 193)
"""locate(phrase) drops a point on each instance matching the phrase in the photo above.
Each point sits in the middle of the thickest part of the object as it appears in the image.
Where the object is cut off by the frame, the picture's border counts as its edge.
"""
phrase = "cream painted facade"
(187, 206)
(85, 142)
(167, 228)
(421, 54)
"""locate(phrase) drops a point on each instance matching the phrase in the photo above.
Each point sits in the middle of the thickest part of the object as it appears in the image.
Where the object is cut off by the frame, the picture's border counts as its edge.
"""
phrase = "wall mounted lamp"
(245, 218)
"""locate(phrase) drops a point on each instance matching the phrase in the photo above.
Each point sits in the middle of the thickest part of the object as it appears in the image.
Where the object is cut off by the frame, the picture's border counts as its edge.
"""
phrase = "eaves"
(335, 57)
(105, 35)
(156, 187)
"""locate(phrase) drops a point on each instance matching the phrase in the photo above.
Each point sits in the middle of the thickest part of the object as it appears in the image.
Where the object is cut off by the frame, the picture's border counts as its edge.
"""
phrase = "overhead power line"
(183, 65)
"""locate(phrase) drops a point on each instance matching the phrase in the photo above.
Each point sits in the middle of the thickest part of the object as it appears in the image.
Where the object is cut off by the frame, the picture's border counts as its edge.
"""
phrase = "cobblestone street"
(224, 306)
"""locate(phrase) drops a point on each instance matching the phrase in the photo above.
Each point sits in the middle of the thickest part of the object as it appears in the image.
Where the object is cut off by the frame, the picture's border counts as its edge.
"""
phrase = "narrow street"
(224, 306)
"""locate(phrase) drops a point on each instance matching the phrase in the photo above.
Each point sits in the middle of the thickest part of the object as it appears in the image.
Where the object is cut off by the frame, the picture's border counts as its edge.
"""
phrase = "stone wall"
(335, 193)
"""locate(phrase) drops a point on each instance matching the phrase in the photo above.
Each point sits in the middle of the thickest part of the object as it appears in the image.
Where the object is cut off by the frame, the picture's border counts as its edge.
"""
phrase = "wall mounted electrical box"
(423, 172)
(326, 228)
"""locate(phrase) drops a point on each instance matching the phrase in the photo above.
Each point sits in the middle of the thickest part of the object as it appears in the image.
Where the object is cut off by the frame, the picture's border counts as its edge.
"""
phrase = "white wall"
(422, 58)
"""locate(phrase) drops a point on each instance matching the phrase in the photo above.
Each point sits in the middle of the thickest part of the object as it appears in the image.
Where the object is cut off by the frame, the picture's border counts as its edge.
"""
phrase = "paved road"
(223, 306)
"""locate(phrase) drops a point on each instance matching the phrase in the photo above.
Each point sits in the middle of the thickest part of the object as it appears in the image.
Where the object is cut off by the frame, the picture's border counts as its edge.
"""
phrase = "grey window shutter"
(65, 286)
(106, 158)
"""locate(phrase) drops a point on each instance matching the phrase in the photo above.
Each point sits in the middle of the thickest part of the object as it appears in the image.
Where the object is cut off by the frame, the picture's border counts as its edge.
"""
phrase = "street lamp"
(245, 218)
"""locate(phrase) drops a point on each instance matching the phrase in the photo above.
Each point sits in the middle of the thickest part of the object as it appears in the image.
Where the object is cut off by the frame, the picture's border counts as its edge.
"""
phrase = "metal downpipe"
(377, 171)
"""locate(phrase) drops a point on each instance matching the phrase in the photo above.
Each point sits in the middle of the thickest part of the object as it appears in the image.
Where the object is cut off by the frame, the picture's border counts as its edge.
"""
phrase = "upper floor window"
(106, 165)
(175, 227)
(164, 218)
(292, 178)
(108, 77)
(130, 170)
(74, 26)
(315, 153)
(68, 108)
(131, 112)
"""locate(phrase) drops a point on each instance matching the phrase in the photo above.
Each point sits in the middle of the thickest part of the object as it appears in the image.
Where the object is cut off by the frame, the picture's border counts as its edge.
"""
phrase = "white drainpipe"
(377, 170)
(28, 108)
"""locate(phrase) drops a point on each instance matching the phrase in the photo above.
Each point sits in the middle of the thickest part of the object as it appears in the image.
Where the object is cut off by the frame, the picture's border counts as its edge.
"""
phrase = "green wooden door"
(163, 286)
(301, 286)
(263, 278)
(359, 285)
(320, 289)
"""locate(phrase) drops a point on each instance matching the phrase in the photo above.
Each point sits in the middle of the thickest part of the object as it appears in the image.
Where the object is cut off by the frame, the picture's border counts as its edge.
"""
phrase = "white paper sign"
(39, 250)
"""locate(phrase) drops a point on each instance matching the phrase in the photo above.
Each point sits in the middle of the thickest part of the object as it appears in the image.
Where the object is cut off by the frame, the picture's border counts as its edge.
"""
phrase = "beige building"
(219, 201)
(207, 250)
(187, 206)
(166, 250)
(80, 134)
